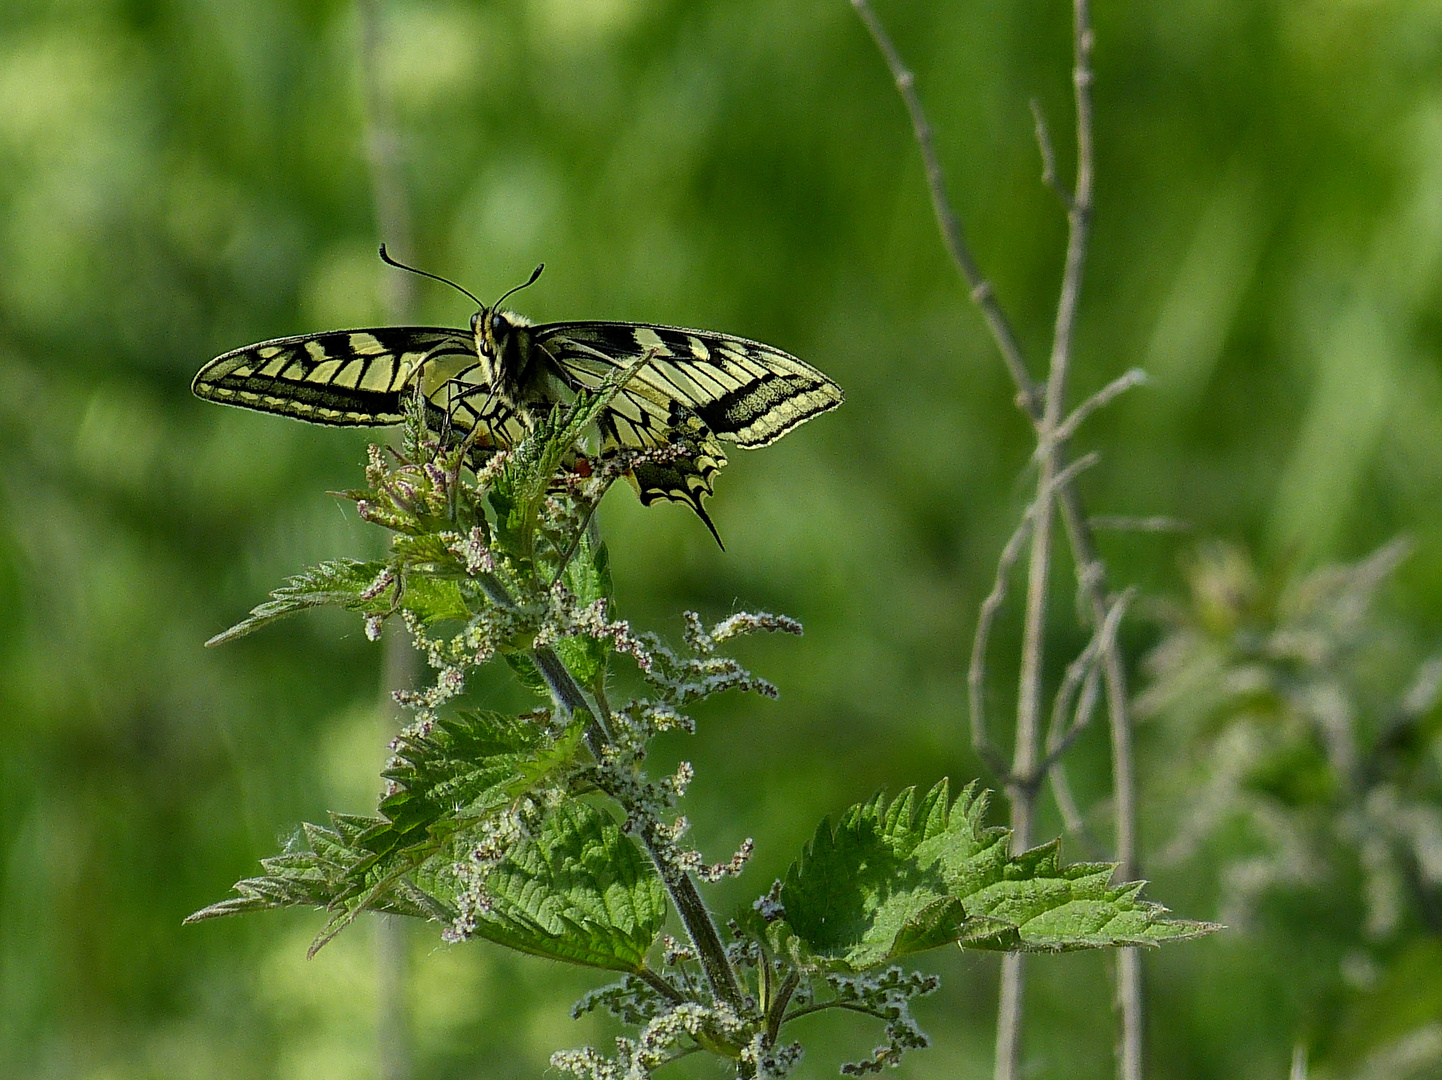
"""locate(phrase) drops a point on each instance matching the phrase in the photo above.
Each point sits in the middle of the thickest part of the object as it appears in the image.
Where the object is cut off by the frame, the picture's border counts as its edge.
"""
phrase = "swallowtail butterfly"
(697, 385)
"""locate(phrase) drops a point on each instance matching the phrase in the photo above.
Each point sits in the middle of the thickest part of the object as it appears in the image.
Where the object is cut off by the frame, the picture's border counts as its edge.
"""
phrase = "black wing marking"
(745, 391)
(342, 377)
(682, 471)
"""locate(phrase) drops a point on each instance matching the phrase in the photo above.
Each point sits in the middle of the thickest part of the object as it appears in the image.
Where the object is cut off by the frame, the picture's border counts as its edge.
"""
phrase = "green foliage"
(497, 826)
(356, 586)
(580, 891)
(1314, 719)
(1287, 685)
(892, 879)
(181, 179)
(465, 767)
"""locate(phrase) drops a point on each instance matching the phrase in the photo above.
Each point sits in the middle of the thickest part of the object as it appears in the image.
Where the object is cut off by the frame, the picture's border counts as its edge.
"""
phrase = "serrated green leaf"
(580, 891)
(340, 583)
(526, 671)
(588, 574)
(892, 879)
(459, 772)
(583, 656)
(463, 765)
(313, 871)
(446, 780)
(433, 599)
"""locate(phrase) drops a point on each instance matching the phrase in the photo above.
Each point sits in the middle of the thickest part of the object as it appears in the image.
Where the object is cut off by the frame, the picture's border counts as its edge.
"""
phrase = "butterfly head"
(500, 338)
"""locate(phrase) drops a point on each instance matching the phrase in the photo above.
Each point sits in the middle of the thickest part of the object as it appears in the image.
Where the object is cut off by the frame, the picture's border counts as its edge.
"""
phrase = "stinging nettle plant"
(542, 831)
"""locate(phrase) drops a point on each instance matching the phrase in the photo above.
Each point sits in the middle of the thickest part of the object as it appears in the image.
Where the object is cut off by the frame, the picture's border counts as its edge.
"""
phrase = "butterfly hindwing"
(343, 377)
(681, 470)
(745, 391)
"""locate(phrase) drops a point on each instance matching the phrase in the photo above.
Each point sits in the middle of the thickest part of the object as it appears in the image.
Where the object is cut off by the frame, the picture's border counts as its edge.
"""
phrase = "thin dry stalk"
(952, 235)
(986, 619)
(1046, 417)
(991, 607)
(1081, 674)
(1123, 523)
(1105, 396)
(1048, 156)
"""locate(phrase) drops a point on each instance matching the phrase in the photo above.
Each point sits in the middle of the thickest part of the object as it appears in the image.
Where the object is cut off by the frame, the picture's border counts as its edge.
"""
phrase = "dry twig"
(1052, 433)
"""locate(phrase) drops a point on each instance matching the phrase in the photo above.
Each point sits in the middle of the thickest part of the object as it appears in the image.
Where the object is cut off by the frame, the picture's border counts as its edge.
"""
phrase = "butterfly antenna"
(385, 258)
(528, 282)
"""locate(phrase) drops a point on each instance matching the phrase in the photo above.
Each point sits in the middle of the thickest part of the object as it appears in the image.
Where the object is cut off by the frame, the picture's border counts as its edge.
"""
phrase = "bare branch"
(952, 234)
(1090, 570)
(1105, 396)
(976, 672)
(1082, 673)
(990, 609)
(1063, 480)
(1048, 156)
(1046, 417)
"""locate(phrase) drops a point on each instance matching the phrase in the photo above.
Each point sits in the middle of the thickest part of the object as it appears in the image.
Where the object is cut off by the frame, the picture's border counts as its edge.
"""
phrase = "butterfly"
(693, 388)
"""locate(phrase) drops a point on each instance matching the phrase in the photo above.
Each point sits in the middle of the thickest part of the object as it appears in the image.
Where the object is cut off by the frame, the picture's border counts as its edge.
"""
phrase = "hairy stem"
(695, 916)
(400, 668)
(657, 983)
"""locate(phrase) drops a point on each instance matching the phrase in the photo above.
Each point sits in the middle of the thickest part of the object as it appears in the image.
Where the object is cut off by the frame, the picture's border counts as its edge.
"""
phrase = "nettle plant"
(542, 831)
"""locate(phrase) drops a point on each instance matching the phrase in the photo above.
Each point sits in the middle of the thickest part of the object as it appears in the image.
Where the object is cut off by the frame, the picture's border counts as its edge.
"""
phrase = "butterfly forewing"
(746, 392)
(344, 377)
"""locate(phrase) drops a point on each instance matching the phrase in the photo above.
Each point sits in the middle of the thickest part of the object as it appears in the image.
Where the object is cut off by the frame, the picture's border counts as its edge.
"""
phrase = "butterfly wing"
(698, 386)
(343, 377)
(744, 391)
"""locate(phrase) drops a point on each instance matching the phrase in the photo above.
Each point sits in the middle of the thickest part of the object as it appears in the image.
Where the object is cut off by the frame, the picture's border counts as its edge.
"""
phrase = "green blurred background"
(181, 177)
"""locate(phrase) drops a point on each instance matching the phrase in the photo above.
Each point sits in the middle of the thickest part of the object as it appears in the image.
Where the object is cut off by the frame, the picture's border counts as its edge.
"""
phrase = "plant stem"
(695, 916)
(383, 153)
(952, 235)
(1022, 784)
(1130, 1065)
(1090, 570)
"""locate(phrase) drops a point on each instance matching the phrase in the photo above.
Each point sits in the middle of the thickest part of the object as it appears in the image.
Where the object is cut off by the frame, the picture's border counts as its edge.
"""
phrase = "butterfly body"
(696, 386)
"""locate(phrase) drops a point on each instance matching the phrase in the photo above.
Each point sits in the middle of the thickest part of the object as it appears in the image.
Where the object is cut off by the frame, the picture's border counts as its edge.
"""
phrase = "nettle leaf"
(895, 879)
(462, 770)
(447, 781)
(588, 574)
(526, 671)
(433, 599)
(583, 656)
(342, 583)
(315, 871)
(579, 891)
